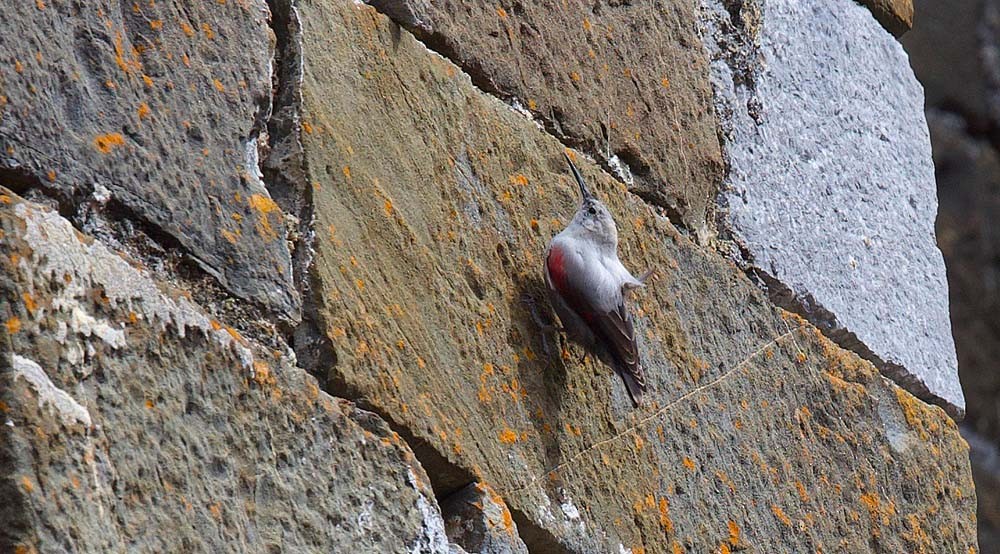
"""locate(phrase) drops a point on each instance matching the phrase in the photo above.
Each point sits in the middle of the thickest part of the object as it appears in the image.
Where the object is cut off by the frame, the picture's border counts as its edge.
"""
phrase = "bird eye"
(592, 210)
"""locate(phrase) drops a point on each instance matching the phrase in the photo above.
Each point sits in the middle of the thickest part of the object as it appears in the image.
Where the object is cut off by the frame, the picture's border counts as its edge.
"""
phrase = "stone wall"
(271, 280)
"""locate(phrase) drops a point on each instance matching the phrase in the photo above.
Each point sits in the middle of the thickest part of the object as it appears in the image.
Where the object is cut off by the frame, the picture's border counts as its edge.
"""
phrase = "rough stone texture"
(477, 518)
(895, 15)
(131, 421)
(955, 52)
(434, 202)
(162, 104)
(804, 89)
(576, 64)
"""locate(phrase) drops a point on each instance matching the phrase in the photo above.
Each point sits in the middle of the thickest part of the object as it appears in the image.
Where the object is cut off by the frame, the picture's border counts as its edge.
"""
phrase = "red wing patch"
(557, 269)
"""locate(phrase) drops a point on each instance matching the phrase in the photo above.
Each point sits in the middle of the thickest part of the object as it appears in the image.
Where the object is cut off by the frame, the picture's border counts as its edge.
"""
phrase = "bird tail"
(634, 387)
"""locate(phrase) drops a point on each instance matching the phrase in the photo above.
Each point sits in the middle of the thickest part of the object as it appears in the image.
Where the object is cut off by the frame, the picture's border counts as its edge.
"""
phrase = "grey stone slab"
(830, 190)
(161, 104)
(131, 421)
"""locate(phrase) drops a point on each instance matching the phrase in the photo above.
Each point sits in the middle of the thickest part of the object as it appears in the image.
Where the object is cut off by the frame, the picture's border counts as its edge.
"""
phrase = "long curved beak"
(579, 178)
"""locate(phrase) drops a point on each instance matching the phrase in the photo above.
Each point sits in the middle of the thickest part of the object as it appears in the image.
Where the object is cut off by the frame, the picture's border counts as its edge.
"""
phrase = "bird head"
(593, 218)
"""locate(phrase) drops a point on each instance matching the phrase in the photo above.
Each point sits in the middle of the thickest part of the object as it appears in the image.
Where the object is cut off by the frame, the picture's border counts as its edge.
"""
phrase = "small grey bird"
(587, 285)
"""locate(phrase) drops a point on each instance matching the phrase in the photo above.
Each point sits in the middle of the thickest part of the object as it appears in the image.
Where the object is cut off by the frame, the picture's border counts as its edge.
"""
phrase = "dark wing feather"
(612, 329)
(618, 335)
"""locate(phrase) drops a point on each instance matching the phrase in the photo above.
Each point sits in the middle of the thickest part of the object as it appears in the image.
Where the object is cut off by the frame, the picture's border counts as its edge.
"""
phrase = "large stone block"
(161, 104)
(627, 80)
(434, 203)
(133, 422)
(830, 191)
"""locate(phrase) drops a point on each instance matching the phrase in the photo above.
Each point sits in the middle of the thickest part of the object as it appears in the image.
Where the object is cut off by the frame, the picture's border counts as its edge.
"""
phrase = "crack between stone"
(436, 44)
(119, 226)
(811, 310)
(639, 424)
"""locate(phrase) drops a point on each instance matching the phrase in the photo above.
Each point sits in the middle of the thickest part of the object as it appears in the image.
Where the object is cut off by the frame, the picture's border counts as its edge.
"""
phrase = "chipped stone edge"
(69, 410)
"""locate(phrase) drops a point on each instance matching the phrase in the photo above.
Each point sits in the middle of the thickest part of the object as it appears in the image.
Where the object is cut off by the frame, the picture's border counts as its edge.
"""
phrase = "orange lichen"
(780, 514)
(143, 111)
(147, 80)
(29, 302)
(665, 82)
(347, 171)
(878, 511)
(575, 76)
(26, 484)
(156, 24)
(502, 13)
(665, 521)
(216, 511)
(207, 29)
(803, 495)
(107, 142)
(914, 411)
(508, 436)
(218, 85)
(18, 66)
(13, 325)
(734, 533)
(688, 463)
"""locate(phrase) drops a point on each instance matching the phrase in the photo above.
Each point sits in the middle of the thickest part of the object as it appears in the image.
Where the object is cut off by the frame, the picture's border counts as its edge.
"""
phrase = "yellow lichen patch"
(575, 76)
(188, 29)
(29, 302)
(665, 83)
(265, 206)
(147, 80)
(230, 236)
(780, 514)
(107, 142)
(916, 536)
(878, 511)
(13, 325)
(918, 416)
(734, 533)
(688, 463)
(51, 175)
(26, 484)
(508, 436)
(207, 29)
(665, 521)
(125, 61)
(218, 85)
(801, 489)
(143, 111)
(518, 179)
(262, 374)
(502, 13)
(18, 66)
(156, 24)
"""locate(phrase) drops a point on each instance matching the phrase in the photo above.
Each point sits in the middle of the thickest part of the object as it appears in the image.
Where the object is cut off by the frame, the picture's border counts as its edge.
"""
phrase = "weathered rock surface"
(895, 15)
(578, 66)
(830, 191)
(434, 202)
(477, 518)
(162, 105)
(134, 422)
